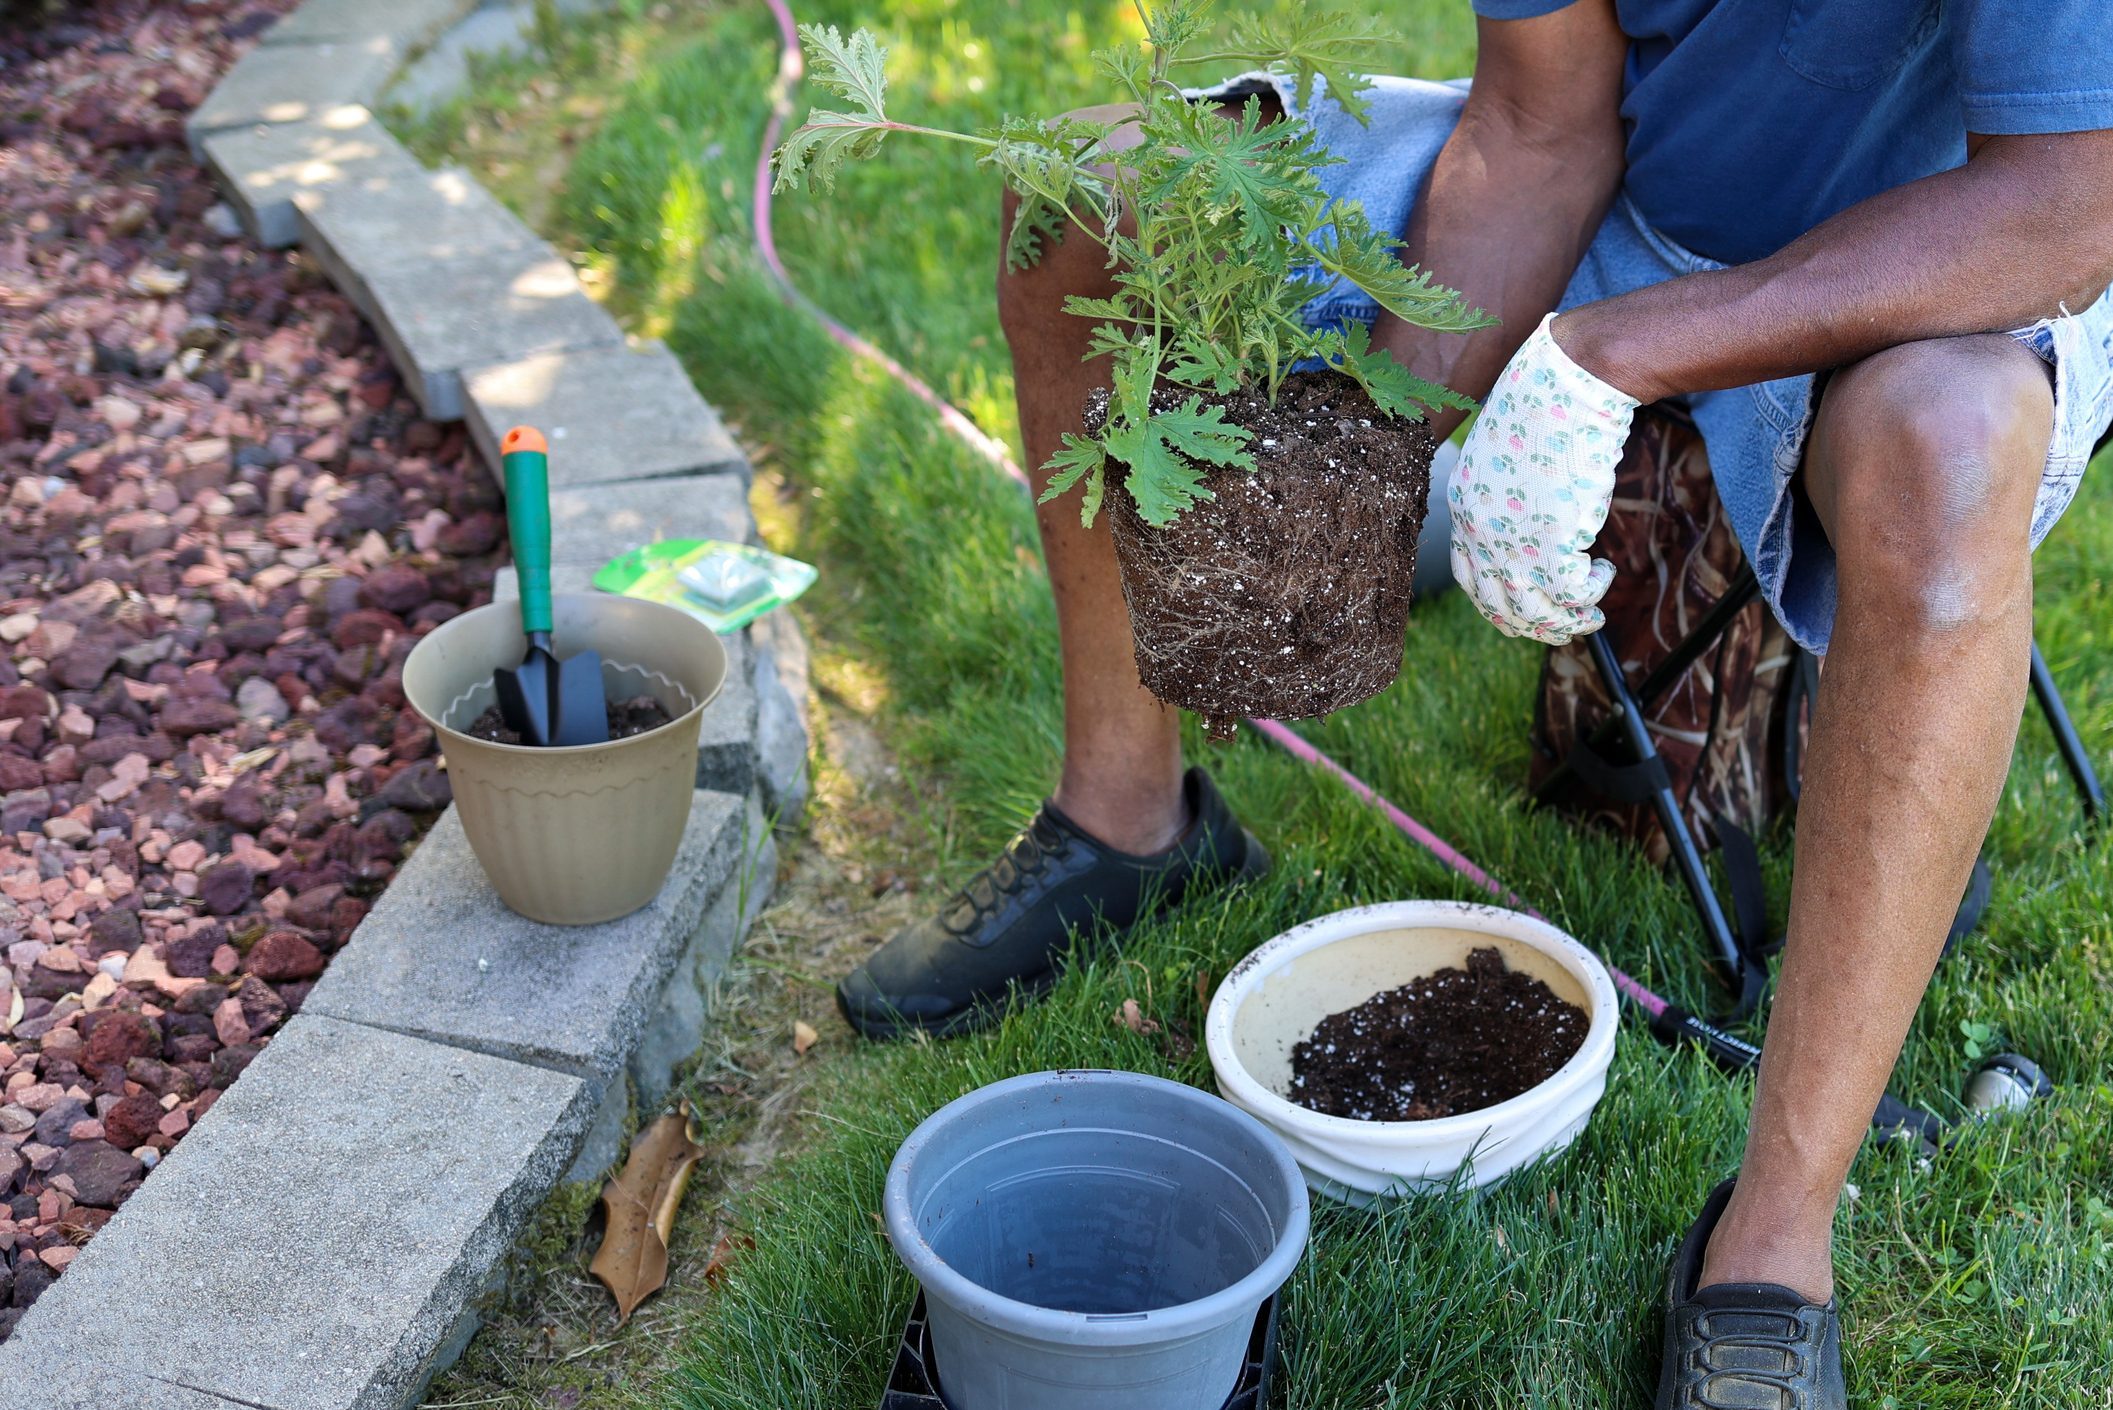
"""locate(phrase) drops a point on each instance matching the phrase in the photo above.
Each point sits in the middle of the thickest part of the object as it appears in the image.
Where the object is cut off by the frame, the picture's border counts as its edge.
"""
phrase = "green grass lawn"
(1981, 1282)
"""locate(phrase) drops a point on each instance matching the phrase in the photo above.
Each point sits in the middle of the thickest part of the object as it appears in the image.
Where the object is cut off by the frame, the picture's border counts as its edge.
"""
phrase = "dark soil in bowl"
(1453, 1041)
(626, 717)
(1286, 594)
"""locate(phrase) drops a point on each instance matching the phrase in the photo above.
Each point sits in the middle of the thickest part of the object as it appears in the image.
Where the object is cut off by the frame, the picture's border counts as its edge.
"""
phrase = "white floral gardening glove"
(1532, 489)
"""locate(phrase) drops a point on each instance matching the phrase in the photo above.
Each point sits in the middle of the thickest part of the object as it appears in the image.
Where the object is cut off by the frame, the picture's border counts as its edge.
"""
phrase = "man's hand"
(1531, 491)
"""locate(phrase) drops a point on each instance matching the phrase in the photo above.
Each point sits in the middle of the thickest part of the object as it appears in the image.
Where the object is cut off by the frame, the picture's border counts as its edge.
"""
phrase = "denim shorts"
(1755, 435)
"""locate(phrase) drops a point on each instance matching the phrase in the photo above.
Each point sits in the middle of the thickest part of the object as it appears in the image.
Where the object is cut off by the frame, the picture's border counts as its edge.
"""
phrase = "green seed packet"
(723, 585)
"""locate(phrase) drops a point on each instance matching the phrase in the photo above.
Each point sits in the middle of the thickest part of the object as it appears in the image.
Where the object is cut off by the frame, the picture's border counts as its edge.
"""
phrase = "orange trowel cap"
(524, 438)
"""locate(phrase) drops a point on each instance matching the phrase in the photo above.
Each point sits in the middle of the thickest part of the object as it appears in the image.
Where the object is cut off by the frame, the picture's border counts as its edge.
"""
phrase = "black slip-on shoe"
(1744, 1346)
(1006, 930)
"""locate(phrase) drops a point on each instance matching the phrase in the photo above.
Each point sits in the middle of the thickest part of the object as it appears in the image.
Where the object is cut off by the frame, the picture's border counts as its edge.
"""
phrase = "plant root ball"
(1286, 595)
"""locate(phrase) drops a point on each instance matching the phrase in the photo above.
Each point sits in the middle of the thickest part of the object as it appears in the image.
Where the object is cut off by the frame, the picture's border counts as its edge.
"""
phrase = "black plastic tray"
(913, 1386)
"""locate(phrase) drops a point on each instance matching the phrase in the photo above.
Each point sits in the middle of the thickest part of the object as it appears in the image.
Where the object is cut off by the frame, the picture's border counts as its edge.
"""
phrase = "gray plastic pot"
(1093, 1241)
(583, 834)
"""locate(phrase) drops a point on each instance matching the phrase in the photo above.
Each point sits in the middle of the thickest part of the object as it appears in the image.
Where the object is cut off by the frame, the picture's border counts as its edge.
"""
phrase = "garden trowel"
(544, 700)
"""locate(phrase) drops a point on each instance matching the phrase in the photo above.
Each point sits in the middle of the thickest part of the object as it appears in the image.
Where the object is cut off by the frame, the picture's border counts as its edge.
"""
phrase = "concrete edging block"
(369, 227)
(265, 168)
(441, 318)
(321, 1232)
(683, 1015)
(278, 83)
(53, 1382)
(440, 957)
(412, 24)
(612, 414)
(726, 745)
(783, 728)
(591, 525)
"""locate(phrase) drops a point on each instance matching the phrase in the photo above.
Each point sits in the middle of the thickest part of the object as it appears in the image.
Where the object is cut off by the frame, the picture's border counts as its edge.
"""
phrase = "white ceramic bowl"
(1276, 996)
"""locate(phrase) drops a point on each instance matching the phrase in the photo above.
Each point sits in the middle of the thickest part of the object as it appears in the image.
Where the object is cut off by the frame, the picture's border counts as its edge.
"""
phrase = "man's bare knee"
(1073, 262)
(1923, 466)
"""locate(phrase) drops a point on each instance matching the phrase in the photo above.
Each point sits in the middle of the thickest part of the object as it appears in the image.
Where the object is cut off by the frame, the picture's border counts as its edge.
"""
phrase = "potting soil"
(1456, 1040)
(626, 717)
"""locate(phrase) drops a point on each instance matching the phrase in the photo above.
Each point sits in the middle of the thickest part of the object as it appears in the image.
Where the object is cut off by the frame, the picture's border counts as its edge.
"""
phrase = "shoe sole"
(1255, 863)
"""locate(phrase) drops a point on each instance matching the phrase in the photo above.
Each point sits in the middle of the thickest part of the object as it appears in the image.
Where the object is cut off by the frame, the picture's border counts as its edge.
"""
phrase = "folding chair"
(1620, 761)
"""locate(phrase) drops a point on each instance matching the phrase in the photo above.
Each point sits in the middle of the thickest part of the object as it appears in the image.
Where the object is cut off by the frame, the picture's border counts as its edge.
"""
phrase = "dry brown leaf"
(1133, 1018)
(1203, 987)
(633, 1259)
(723, 1253)
(803, 1036)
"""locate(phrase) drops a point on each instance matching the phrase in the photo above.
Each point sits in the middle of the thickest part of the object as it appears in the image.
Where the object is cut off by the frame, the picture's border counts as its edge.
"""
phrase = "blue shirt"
(1751, 121)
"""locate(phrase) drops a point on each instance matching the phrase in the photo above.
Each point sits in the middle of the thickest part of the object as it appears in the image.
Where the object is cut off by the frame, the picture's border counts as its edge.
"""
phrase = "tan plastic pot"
(585, 834)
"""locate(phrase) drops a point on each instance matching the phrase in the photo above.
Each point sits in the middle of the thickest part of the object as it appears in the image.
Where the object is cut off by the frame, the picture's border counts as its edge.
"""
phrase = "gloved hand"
(1531, 491)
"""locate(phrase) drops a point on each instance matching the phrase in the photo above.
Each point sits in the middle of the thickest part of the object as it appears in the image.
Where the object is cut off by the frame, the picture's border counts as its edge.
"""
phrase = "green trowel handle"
(527, 475)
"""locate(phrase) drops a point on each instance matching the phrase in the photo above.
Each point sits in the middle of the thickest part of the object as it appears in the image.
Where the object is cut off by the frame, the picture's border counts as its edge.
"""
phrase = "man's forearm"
(2019, 233)
(1519, 189)
(1505, 221)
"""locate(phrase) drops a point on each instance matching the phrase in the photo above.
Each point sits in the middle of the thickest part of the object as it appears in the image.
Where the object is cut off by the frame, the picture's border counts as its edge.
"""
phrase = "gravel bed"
(224, 526)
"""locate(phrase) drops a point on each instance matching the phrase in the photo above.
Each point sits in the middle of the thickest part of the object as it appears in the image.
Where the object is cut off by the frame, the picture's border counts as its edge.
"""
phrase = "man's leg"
(1126, 830)
(1923, 465)
(1122, 747)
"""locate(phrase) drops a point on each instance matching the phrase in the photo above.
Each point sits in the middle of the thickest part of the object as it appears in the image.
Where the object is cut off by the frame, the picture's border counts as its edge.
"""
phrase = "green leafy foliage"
(1980, 1039)
(1309, 43)
(1229, 234)
(855, 70)
(1393, 388)
(1238, 163)
(1080, 459)
(1347, 247)
(1166, 450)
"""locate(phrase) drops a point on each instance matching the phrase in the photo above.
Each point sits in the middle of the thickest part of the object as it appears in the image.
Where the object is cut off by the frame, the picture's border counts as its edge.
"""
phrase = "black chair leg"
(2066, 739)
(1746, 978)
(1742, 590)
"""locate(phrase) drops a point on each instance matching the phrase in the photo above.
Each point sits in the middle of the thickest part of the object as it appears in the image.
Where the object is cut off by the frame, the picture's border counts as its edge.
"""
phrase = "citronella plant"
(1229, 234)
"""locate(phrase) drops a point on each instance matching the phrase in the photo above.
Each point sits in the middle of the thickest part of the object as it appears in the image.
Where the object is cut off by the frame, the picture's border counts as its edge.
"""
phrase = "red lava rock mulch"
(224, 526)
